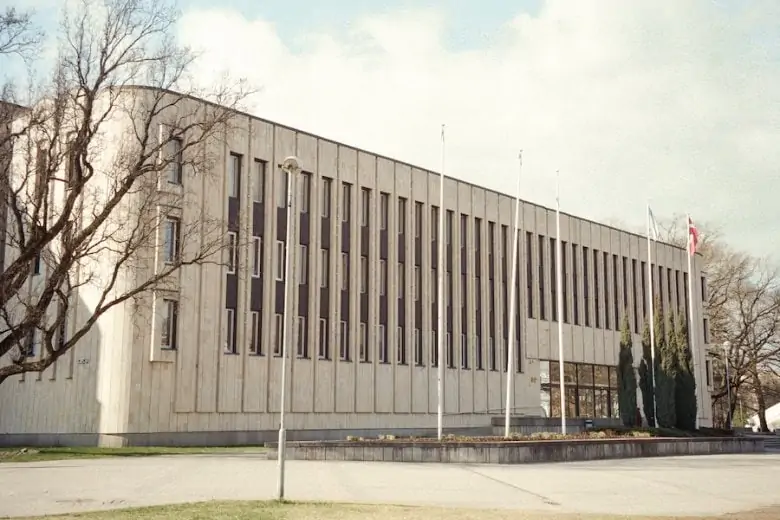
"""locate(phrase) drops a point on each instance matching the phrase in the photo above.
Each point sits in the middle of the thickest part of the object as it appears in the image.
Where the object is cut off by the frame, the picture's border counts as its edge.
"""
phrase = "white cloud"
(631, 100)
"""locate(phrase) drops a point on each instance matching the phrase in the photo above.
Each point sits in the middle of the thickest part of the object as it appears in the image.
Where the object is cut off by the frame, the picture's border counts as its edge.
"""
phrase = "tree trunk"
(760, 400)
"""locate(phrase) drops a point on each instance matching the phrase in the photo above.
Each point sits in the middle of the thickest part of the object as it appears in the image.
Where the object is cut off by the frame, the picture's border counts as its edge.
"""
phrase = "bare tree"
(105, 162)
(18, 34)
(743, 307)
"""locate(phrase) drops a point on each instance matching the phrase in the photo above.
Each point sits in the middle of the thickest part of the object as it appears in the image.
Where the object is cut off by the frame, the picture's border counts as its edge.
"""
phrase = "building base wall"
(218, 438)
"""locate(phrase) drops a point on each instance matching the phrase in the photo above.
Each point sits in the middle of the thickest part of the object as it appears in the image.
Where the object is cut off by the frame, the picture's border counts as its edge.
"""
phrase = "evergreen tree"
(626, 377)
(685, 387)
(666, 350)
(645, 377)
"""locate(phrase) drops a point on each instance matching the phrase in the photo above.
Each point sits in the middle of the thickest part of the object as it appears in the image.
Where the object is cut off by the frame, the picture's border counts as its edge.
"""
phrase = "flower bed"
(515, 437)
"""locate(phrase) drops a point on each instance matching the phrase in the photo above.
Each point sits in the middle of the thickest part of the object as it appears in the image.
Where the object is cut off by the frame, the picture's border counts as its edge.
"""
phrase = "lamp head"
(291, 165)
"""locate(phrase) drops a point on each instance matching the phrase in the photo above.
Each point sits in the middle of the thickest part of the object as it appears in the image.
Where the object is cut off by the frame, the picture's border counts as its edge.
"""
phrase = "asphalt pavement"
(701, 485)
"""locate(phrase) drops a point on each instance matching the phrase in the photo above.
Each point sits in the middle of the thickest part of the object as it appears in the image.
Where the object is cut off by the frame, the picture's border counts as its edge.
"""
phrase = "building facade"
(201, 362)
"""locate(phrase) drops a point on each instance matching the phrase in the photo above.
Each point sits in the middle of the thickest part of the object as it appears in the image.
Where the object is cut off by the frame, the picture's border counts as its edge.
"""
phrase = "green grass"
(333, 511)
(41, 454)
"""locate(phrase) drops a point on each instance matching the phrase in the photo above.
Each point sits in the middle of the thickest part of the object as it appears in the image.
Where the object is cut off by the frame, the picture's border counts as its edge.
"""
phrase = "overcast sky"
(675, 102)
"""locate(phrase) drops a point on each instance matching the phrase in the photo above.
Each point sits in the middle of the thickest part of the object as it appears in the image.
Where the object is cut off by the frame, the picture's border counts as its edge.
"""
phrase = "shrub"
(626, 377)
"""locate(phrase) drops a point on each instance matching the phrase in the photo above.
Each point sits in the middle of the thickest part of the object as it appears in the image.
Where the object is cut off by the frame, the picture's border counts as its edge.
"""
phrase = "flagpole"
(442, 332)
(512, 297)
(559, 280)
(652, 317)
(692, 326)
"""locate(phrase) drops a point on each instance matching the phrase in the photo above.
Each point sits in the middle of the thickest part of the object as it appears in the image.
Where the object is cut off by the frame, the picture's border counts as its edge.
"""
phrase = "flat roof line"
(397, 161)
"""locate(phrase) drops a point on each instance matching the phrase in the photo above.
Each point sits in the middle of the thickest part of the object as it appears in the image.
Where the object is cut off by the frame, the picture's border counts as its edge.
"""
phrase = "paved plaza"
(703, 485)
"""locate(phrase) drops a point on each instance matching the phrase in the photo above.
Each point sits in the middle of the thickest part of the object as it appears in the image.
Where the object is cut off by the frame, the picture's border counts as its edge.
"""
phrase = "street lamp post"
(290, 166)
(726, 351)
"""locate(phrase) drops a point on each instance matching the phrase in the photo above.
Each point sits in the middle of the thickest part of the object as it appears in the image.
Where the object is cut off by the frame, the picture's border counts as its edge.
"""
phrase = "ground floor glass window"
(591, 391)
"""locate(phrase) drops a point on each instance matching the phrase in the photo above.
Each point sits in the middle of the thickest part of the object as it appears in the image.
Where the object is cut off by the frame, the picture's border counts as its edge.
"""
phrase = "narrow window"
(281, 190)
(575, 282)
(232, 252)
(450, 352)
(303, 345)
(417, 282)
(553, 281)
(257, 250)
(278, 334)
(324, 268)
(607, 309)
(230, 328)
(401, 345)
(492, 353)
(384, 200)
(449, 227)
(324, 348)
(170, 325)
(479, 355)
(175, 167)
(343, 341)
(363, 343)
(644, 292)
(258, 182)
(344, 272)
(400, 281)
(633, 289)
(382, 277)
(434, 349)
(172, 236)
(280, 261)
(382, 344)
(303, 263)
(596, 274)
(365, 206)
(346, 201)
(255, 345)
(464, 352)
(418, 351)
(615, 297)
(418, 219)
(305, 192)
(625, 285)
(234, 175)
(326, 187)
(565, 275)
(434, 223)
(363, 274)
(542, 303)
(586, 284)
(529, 272)
(677, 288)
(401, 217)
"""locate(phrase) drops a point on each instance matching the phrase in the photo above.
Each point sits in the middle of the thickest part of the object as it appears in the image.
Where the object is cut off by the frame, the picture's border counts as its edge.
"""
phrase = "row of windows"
(601, 274)
(169, 340)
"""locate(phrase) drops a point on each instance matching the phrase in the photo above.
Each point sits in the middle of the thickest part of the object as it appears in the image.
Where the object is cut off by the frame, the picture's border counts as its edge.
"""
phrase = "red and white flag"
(693, 236)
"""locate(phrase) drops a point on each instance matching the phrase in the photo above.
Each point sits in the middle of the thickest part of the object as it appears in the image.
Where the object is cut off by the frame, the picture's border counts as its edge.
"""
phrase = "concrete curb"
(516, 452)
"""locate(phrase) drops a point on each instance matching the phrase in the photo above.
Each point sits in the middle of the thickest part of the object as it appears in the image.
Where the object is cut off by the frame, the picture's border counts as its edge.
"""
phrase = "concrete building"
(201, 363)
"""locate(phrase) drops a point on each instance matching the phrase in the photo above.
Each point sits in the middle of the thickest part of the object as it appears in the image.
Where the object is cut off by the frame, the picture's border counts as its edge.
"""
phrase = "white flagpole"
(692, 326)
(652, 317)
(512, 297)
(559, 280)
(442, 332)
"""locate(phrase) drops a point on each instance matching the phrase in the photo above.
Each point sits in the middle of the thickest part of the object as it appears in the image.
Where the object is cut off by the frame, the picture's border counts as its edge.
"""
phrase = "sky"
(672, 103)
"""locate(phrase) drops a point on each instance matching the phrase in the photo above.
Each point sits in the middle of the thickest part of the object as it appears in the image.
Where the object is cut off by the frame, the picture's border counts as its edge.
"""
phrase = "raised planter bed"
(493, 451)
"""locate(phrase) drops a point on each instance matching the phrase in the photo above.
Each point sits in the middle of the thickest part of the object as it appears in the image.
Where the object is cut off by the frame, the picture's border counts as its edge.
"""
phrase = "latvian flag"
(693, 236)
